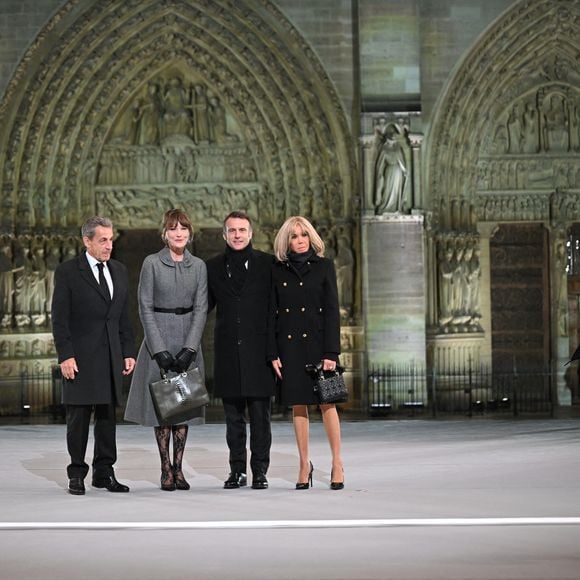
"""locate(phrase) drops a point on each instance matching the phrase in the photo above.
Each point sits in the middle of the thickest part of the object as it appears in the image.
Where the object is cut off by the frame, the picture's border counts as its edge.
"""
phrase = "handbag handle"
(316, 370)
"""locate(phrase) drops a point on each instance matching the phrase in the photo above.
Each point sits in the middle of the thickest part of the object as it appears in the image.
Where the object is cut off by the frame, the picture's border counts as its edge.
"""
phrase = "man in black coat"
(96, 347)
(239, 283)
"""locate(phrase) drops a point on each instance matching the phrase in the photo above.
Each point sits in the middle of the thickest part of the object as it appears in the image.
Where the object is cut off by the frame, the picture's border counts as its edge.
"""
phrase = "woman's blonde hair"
(173, 217)
(284, 235)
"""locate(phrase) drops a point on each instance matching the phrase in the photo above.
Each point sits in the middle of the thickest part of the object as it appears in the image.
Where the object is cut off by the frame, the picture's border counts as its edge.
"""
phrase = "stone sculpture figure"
(149, 117)
(391, 172)
(344, 264)
(556, 137)
(515, 129)
(37, 284)
(6, 283)
(531, 132)
(52, 261)
(217, 122)
(445, 275)
(200, 114)
(177, 110)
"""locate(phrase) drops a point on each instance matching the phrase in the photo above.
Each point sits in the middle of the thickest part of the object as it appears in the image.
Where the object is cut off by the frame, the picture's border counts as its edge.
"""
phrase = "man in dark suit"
(95, 346)
(239, 282)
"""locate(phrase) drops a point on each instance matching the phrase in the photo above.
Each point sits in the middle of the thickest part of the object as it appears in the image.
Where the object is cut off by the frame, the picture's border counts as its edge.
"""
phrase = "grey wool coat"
(167, 284)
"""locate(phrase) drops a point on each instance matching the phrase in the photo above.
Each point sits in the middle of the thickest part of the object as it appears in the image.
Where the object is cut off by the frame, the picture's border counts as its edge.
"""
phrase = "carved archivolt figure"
(391, 172)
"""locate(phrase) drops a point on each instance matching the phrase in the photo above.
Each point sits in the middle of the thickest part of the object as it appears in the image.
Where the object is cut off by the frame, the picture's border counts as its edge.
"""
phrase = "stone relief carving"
(458, 284)
(206, 205)
(27, 265)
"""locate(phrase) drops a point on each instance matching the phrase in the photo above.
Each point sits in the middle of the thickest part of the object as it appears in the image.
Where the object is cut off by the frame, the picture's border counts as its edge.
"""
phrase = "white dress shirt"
(93, 264)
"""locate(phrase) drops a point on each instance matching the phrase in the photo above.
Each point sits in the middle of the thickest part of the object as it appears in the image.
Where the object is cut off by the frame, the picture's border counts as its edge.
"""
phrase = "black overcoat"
(96, 332)
(305, 324)
(241, 368)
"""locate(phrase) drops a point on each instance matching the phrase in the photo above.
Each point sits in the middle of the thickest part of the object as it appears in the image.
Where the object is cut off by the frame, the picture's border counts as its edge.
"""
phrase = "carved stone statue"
(149, 117)
(515, 129)
(6, 283)
(556, 137)
(344, 263)
(445, 283)
(177, 110)
(531, 130)
(391, 172)
(200, 115)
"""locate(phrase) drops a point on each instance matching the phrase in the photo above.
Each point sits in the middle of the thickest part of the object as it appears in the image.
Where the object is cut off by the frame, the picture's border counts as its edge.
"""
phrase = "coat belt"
(179, 310)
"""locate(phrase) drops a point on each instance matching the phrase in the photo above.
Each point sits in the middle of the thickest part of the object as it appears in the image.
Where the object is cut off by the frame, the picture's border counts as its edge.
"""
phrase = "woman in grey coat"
(173, 309)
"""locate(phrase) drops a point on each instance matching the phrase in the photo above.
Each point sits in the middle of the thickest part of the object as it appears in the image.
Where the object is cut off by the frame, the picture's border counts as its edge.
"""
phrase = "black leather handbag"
(176, 399)
(329, 386)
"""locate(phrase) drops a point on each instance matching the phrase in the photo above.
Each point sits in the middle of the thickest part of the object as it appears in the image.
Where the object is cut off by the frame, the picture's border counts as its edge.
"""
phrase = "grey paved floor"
(443, 479)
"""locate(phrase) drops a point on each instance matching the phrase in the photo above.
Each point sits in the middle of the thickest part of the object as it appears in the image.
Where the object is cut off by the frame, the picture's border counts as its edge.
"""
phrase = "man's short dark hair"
(238, 214)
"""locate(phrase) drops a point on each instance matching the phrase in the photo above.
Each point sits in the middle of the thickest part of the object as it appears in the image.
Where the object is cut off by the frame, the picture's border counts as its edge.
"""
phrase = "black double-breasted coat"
(305, 324)
(95, 331)
(241, 368)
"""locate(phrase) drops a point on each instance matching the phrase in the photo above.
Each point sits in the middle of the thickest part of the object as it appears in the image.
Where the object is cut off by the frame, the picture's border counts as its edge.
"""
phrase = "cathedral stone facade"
(442, 170)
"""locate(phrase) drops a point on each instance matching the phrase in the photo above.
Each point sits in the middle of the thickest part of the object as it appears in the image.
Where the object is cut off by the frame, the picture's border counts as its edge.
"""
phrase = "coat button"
(304, 335)
(284, 284)
(302, 309)
(320, 309)
(287, 309)
(289, 337)
(301, 283)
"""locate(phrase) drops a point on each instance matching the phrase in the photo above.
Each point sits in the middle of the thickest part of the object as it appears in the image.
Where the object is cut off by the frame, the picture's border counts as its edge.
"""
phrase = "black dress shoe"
(236, 480)
(111, 484)
(259, 482)
(76, 486)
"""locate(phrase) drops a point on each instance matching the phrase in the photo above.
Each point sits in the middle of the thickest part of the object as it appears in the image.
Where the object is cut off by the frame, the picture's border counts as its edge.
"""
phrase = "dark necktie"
(103, 281)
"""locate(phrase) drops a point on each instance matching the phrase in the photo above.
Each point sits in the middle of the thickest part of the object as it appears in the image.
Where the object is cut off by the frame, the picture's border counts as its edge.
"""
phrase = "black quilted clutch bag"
(329, 386)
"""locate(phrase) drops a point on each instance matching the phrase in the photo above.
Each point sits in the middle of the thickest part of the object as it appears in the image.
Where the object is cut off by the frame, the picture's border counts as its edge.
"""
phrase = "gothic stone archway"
(249, 119)
(503, 147)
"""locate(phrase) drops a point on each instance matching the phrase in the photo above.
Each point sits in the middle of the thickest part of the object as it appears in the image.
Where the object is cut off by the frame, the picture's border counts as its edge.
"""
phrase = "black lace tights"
(163, 436)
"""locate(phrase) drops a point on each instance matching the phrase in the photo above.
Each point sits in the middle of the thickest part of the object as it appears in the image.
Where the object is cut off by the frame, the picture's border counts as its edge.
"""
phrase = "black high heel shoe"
(167, 480)
(336, 484)
(308, 483)
(180, 481)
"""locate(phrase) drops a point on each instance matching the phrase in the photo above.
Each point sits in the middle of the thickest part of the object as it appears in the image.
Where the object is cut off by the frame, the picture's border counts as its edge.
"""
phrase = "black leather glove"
(164, 359)
(184, 359)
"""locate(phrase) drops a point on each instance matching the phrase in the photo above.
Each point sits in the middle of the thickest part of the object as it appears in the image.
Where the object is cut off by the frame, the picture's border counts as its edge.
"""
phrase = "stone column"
(486, 231)
(394, 293)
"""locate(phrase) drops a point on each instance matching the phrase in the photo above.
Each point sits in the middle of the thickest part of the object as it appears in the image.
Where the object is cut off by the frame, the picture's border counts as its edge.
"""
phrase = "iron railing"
(404, 390)
(413, 389)
(32, 394)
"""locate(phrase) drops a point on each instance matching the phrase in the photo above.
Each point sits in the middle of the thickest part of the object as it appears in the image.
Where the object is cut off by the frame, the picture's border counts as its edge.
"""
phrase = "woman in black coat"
(305, 329)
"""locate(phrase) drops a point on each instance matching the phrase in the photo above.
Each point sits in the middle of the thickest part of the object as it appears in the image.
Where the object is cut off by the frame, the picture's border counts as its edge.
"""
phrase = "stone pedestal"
(394, 298)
